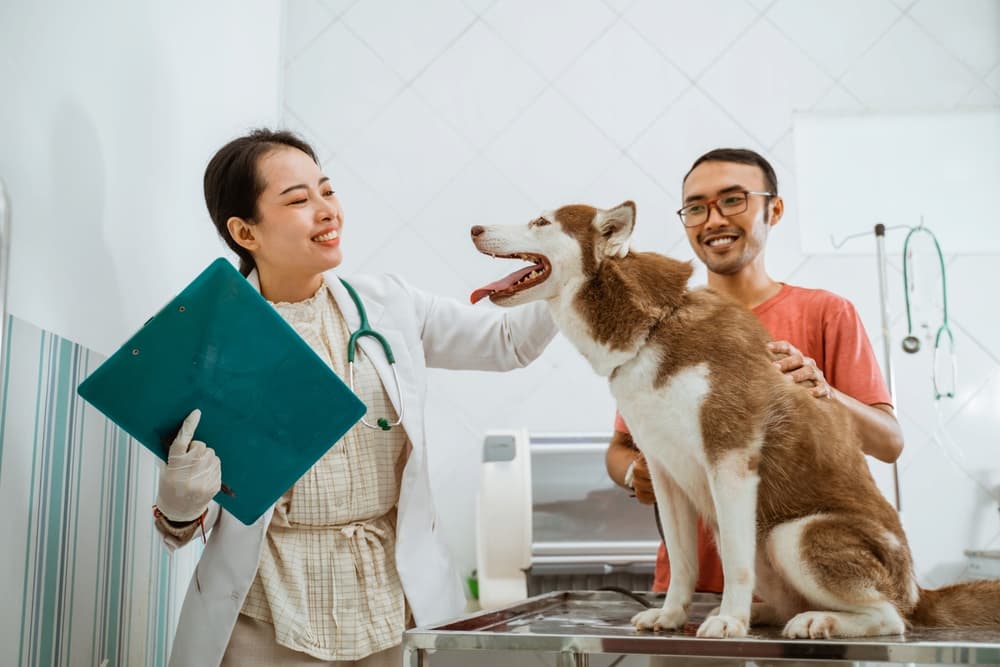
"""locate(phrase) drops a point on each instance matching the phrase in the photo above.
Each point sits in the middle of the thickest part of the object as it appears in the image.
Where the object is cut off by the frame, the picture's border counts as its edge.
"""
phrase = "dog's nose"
(477, 230)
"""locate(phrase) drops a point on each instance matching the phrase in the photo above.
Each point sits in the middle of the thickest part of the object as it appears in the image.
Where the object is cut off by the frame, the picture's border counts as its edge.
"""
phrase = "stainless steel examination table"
(574, 625)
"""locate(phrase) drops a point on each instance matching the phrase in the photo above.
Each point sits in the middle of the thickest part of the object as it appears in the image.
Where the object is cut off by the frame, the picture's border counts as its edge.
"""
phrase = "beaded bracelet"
(157, 514)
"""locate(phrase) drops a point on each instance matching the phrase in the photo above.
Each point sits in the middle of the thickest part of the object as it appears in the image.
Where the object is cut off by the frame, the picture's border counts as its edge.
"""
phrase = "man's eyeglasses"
(730, 203)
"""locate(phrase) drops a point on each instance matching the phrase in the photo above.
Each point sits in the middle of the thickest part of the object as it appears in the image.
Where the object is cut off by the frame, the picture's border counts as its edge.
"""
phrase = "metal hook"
(839, 244)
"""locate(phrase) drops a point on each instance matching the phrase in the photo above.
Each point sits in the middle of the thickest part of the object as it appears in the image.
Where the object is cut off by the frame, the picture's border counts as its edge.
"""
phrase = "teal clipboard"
(270, 406)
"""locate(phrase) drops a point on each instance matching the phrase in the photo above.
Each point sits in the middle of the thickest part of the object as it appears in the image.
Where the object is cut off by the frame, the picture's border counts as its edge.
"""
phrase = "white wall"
(903, 169)
(438, 115)
(110, 111)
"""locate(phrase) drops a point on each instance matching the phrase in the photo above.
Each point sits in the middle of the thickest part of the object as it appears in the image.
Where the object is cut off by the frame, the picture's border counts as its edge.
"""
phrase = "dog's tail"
(970, 604)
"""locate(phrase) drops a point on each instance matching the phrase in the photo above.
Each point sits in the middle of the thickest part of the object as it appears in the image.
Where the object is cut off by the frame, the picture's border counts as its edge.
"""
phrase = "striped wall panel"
(85, 578)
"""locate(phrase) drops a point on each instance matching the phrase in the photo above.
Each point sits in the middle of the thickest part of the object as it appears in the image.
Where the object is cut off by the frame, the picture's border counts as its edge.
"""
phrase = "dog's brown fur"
(806, 438)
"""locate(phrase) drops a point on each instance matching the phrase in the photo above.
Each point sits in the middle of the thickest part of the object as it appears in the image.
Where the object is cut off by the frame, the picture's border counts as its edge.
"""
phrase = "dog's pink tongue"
(498, 285)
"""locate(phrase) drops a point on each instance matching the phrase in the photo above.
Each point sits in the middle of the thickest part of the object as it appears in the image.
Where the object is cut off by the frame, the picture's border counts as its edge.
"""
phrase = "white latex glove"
(192, 476)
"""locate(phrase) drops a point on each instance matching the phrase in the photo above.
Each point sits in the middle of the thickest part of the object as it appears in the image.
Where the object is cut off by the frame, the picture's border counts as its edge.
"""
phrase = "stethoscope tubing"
(364, 329)
(911, 343)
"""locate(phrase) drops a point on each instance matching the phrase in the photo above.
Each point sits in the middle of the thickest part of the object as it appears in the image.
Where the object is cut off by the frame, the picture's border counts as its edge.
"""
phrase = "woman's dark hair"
(742, 156)
(232, 182)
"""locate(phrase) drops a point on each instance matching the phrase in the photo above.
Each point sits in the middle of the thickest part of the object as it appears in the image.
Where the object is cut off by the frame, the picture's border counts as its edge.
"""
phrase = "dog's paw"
(813, 625)
(660, 619)
(827, 624)
(723, 626)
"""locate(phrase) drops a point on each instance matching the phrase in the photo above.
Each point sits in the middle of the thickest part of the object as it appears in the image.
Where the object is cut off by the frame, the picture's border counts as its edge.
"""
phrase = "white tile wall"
(552, 132)
(549, 35)
(993, 79)
(971, 33)
(336, 7)
(602, 80)
(745, 75)
(829, 30)
(691, 35)
(435, 116)
(320, 76)
(907, 69)
(482, 100)
(688, 127)
(486, 197)
(304, 22)
(411, 34)
(981, 96)
(407, 153)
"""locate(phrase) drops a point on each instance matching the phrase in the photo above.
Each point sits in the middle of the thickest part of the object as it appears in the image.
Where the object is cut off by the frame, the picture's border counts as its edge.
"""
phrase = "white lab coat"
(423, 331)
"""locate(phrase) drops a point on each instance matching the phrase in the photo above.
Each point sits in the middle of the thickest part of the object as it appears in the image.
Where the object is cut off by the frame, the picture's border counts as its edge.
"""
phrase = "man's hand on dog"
(642, 485)
(799, 368)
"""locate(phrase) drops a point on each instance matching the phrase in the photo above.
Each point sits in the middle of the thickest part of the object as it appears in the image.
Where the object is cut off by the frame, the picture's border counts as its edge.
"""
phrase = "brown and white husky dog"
(778, 474)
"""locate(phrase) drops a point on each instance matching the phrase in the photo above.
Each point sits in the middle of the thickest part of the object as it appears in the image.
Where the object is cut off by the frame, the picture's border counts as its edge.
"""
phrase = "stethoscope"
(911, 343)
(364, 329)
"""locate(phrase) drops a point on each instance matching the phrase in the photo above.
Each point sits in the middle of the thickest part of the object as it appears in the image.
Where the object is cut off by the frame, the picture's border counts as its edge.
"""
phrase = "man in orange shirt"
(731, 202)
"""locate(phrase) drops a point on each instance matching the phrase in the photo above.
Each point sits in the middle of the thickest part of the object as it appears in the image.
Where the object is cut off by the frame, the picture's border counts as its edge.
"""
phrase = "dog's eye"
(538, 222)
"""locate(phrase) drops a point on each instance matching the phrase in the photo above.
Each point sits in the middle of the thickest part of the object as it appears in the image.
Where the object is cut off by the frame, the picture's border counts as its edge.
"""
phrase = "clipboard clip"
(168, 439)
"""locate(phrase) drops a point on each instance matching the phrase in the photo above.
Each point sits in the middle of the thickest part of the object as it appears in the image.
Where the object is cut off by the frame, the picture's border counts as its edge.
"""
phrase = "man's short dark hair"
(742, 156)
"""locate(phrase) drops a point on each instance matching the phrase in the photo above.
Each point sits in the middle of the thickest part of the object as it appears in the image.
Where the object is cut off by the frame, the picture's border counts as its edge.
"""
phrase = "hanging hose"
(911, 343)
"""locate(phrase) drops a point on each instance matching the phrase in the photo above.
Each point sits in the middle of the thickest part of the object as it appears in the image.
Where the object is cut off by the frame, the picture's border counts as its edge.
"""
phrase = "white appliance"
(550, 518)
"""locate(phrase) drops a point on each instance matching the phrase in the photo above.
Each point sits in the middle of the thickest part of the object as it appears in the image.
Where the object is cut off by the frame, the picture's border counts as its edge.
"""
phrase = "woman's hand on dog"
(799, 368)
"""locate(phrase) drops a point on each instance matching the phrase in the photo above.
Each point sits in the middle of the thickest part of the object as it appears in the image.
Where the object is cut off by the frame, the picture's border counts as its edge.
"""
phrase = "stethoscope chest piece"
(911, 344)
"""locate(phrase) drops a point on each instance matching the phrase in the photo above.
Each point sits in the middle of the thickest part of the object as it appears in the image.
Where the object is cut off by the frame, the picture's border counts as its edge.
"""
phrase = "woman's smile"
(328, 238)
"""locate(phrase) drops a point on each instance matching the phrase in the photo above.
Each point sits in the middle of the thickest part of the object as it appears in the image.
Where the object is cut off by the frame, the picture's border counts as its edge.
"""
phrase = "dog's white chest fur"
(602, 357)
(666, 422)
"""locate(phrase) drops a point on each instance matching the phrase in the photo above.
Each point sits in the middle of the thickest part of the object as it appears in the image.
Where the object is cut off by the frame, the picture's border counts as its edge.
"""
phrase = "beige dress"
(327, 577)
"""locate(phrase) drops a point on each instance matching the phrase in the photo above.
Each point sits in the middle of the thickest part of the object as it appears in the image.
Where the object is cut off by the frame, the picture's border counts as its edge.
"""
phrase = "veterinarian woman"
(730, 204)
(351, 554)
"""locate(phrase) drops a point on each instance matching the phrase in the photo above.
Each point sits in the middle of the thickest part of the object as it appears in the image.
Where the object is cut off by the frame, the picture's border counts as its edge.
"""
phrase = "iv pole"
(883, 294)
(886, 342)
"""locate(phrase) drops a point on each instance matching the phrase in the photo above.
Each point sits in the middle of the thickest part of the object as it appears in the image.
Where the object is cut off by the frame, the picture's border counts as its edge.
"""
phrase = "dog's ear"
(616, 226)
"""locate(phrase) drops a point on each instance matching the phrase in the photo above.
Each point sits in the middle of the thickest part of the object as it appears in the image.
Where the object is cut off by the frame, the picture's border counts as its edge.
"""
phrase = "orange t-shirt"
(827, 328)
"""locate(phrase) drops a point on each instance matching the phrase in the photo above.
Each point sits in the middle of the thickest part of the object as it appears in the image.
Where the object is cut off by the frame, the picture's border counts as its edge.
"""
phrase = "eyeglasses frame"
(715, 202)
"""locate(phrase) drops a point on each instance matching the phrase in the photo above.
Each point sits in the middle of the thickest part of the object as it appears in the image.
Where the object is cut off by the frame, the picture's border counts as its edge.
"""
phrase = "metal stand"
(413, 657)
(572, 626)
(880, 231)
(886, 342)
(567, 659)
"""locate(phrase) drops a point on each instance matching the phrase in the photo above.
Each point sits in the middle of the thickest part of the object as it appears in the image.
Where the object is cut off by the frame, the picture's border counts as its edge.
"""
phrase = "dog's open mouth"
(517, 281)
